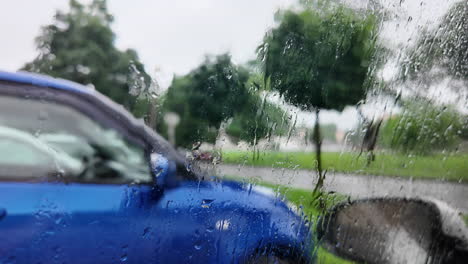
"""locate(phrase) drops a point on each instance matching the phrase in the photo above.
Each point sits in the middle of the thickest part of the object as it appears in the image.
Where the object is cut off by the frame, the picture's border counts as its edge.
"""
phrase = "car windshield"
(325, 110)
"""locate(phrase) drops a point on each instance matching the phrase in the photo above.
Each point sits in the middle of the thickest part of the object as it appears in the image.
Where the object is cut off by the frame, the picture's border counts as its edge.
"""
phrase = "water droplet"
(197, 246)
(206, 203)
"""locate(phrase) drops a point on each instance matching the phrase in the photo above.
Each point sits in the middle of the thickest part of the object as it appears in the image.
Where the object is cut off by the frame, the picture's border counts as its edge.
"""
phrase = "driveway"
(357, 186)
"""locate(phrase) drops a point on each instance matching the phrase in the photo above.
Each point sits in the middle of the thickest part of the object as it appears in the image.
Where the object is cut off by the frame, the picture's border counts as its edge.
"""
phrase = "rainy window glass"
(276, 131)
(40, 138)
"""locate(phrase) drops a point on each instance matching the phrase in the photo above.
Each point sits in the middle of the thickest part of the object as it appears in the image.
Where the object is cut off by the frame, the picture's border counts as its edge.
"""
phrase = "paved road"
(357, 186)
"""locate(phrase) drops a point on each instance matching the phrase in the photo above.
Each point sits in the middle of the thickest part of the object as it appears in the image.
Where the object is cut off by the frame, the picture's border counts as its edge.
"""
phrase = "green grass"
(448, 167)
(303, 198)
(325, 257)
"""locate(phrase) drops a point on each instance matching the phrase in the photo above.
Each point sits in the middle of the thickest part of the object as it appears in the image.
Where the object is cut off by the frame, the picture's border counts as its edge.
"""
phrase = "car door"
(56, 204)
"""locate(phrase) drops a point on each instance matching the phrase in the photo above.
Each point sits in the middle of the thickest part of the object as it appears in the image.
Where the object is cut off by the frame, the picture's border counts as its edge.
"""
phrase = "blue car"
(82, 181)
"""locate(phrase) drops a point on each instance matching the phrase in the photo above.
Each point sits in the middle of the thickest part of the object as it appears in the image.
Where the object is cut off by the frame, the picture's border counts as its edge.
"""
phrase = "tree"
(319, 60)
(209, 95)
(422, 127)
(444, 48)
(79, 46)
(258, 119)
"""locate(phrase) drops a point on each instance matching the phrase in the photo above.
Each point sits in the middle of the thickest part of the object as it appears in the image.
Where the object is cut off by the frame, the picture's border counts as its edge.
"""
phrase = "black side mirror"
(395, 230)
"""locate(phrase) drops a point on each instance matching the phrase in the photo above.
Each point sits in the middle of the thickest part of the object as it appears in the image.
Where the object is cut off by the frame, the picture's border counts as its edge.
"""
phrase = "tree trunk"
(318, 144)
(317, 193)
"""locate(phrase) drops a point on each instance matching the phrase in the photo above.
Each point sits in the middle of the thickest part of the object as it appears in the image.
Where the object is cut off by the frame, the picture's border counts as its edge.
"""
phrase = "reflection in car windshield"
(59, 139)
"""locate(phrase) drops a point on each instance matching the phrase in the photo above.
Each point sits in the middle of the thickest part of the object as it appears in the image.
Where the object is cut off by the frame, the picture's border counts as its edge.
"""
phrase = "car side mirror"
(395, 230)
(160, 168)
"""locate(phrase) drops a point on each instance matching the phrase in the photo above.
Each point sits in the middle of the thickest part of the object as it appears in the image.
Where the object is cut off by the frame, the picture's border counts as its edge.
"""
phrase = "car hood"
(254, 215)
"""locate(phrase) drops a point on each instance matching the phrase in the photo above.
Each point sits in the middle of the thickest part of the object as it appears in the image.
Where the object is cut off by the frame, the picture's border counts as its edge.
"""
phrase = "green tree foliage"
(444, 47)
(79, 46)
(258, 119)
(421, 128)
(207, 96)
(319, 59)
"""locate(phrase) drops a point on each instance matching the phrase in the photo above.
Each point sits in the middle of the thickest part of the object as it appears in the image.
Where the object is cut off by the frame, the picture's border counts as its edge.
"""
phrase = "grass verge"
(303, 199)
(451, 167)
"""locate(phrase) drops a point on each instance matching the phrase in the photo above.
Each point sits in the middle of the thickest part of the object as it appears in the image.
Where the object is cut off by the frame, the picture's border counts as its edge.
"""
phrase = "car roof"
(45, 81)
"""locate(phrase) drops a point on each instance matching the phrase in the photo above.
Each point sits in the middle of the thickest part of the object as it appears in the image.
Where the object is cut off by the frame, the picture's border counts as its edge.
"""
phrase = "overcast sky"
(173, 36)
(170, 36)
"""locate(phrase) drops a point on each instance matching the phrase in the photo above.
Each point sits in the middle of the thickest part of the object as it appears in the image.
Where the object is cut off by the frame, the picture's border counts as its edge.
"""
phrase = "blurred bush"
(422, 128)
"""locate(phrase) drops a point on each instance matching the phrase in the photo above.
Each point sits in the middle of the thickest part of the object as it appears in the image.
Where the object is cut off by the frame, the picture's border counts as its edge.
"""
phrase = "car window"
(15, 152)
(63, 140)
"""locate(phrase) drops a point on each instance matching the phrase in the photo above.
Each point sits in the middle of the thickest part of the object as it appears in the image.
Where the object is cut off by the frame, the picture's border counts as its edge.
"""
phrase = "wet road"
(357, 186)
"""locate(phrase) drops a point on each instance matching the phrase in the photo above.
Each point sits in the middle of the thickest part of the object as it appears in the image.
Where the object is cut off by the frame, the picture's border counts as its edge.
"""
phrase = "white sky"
(173, 36)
